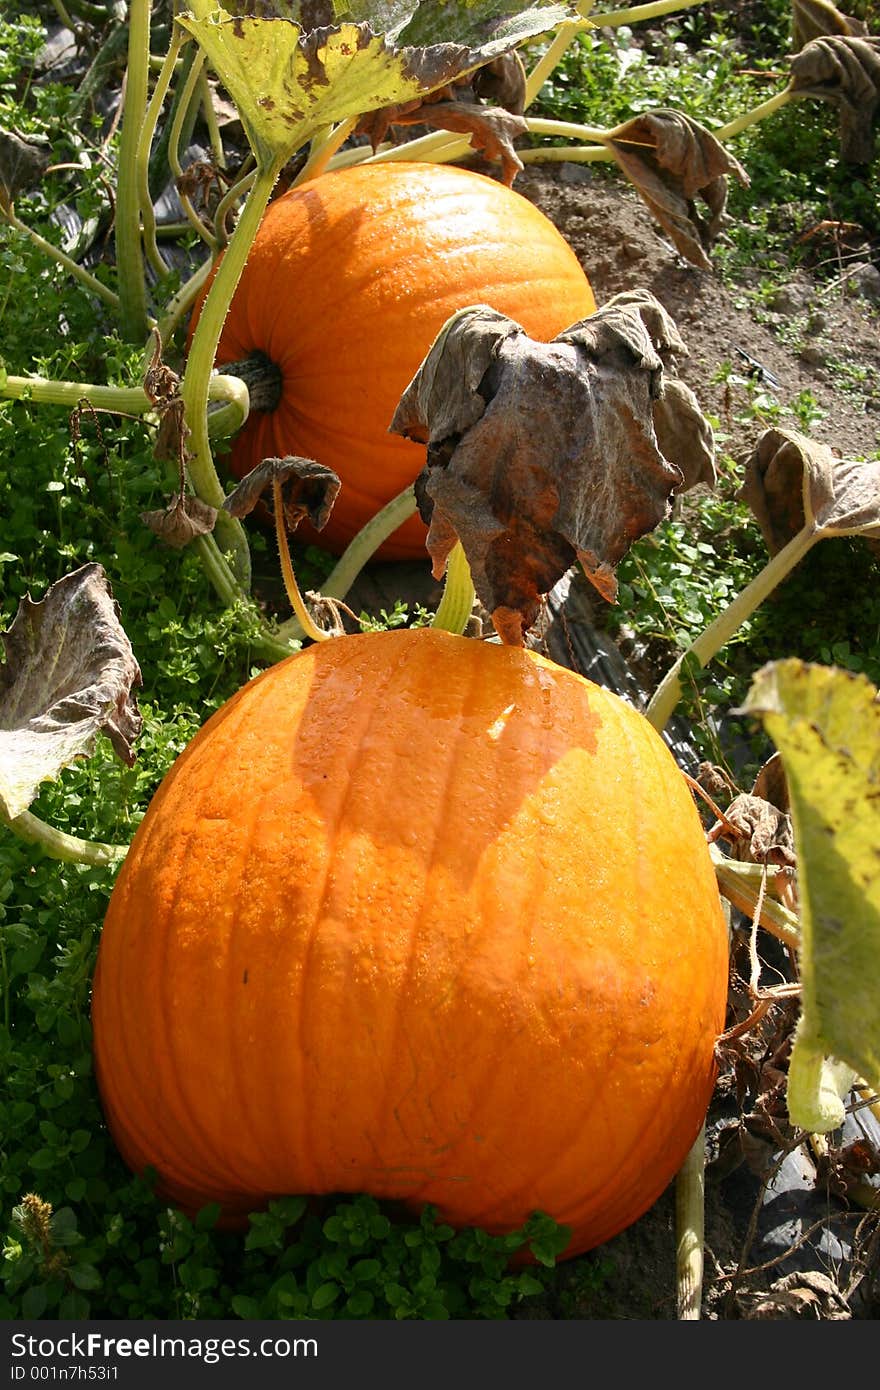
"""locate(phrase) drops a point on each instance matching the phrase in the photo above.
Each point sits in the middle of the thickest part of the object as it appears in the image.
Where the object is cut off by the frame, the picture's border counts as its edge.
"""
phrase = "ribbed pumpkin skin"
(423, 917)
(348, 282)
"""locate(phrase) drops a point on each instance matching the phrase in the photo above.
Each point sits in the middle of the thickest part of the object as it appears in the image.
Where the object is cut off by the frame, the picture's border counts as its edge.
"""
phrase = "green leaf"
(360, 1304)
(74, 1307)
(324, 1295)
(206, 1217)
(33, 1302)
(84, 1276)
(43, 1160)
(288, 1210)
(288, 81)
(826, 724)
(245, 1307)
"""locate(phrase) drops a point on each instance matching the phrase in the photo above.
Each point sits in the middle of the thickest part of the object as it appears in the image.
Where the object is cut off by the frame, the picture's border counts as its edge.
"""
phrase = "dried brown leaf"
(765, 833)
(804, 1294)
(672, 160)
(69, 673)
(845, 71)
(792, 481)
(683, 433)
(538, 454)
(813, 19)
(308, 489)
(492, 130)
(771, 784)
(23, 161)
(172, 435)
(487, 105)
(162, 387)
(502, 82)
(181, 521)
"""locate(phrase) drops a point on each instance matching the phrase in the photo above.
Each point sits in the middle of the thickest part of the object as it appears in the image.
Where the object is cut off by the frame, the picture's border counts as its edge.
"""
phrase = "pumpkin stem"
(133, 317)
(766, 108)
(457, 602)
(261, 376)
(200, 365)
(323, 148)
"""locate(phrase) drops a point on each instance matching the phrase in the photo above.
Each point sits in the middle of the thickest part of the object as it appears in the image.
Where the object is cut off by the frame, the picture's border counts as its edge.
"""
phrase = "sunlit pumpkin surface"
(349, 281)
(423, 917)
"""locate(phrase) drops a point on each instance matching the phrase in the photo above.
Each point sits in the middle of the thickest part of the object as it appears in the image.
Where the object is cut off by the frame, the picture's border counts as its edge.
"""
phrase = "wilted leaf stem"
(718, 633)
(57, 844)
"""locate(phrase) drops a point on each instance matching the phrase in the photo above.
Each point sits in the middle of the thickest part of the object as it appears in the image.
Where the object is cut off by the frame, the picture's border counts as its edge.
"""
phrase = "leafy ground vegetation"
(784, 330)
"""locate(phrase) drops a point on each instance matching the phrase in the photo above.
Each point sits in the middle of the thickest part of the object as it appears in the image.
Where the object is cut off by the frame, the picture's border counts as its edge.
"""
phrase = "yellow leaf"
(289, 81)
(826, 724)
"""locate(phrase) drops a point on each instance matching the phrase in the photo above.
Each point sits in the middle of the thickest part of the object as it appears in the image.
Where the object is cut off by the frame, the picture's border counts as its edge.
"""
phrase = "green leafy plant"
(85, 1239)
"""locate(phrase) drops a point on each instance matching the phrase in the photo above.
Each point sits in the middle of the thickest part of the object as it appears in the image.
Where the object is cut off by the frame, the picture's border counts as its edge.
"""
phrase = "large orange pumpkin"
(423, 917)
(348, 282)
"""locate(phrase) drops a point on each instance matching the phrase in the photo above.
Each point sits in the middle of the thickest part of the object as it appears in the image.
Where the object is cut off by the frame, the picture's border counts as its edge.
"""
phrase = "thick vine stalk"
(200, 362)
(690, 1229)
(133, 321)
(129, 400)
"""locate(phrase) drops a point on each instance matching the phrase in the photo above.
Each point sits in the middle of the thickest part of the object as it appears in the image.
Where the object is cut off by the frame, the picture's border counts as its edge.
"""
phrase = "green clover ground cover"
(82, 1237)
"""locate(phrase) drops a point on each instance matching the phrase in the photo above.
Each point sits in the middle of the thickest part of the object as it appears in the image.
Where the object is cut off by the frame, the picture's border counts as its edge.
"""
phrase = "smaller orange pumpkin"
(423, 917)
(348, 282)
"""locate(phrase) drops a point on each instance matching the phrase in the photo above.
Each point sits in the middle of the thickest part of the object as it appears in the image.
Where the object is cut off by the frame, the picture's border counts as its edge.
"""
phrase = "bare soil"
(621, 248)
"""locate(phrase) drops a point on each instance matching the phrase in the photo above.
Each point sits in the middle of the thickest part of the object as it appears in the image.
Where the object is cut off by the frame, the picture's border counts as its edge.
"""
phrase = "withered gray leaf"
(813, 19)
(308, 489)
(181, 521)
(791, 482)
(771, 784)
(22, 164)
(845, 71)
(539, 454)
(684, 435)
(672, 160)
(661, 326)
(69, 673)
